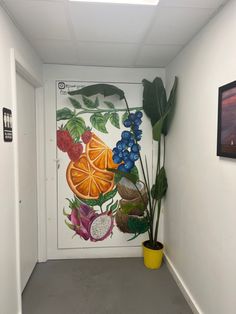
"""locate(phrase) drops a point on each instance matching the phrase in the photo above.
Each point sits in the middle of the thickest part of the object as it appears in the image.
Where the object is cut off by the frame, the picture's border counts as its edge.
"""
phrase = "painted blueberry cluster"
(126, 152)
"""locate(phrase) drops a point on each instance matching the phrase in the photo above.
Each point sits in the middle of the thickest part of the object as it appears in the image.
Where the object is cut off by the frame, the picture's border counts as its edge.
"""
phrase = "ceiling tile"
(40, 19)
(104, 54)
(192, 3)
(177, 25)
(56, 51)
(110, 22)
(157, 55)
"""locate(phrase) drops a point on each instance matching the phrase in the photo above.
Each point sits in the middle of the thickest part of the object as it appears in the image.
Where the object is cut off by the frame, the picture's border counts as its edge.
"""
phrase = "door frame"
(18, 65)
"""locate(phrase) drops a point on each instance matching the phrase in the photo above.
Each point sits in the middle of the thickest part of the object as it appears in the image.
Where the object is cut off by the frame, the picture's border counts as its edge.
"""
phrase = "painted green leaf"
(76, 127)
(134, 171)
(64, 114)
(109, 104)
(103, 89)
(114, 206)
(125, 116)
(115, 119)
(131, 177)
(159, 189)
(91, 203)
(103, 198)
(75, 103)
(89, 103)
(96, 103)
(107, 116)
(98, 121)
(138, 225)
(72, 227)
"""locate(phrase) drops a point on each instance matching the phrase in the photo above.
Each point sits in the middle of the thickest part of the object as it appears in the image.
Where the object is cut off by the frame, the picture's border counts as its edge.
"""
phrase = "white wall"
(200, 216)
(94, 74)
(10, 38)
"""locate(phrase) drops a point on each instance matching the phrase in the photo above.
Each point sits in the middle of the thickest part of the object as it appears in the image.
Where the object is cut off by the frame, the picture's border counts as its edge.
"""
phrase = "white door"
(27, 177)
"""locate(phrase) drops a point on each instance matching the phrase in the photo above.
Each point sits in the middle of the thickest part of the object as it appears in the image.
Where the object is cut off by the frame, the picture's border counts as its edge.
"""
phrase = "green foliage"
(75, 103)
(89, 103)
(109, 104)
(160, 187)
(76, 127)
(103, 89)
(64, 114)
(125, 116)
(130, 176)
(171, 107)
(114, 206)
(115, 119)
(99, 121)
(128, 207)
(157, 108)
(138, 225)
(103, 198)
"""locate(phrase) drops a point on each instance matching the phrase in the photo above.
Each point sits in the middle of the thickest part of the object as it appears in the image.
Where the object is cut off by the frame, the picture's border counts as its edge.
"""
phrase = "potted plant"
(144, 218)
(160, 111)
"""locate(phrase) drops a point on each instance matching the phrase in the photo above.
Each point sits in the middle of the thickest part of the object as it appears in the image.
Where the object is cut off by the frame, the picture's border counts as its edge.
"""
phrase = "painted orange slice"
(99, 154)
(87, 182)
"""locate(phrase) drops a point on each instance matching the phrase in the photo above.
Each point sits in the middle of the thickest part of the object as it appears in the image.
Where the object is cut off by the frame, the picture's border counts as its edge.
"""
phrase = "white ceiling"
(101, 34)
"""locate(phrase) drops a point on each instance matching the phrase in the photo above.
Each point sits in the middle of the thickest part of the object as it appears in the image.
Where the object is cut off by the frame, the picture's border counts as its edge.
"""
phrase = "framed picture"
(226, 139)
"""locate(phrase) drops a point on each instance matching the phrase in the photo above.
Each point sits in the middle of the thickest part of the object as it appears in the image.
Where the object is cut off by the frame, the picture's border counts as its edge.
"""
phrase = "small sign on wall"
(7, 124)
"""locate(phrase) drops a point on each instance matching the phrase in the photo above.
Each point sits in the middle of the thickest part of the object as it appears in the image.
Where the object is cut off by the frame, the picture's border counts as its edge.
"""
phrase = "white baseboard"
(186, 293)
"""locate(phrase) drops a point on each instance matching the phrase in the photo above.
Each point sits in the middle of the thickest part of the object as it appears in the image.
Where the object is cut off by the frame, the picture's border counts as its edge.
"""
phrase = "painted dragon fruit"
(88, 224)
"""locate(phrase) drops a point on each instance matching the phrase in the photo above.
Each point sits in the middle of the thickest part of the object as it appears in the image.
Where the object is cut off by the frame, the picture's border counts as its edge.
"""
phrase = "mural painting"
(96, 135)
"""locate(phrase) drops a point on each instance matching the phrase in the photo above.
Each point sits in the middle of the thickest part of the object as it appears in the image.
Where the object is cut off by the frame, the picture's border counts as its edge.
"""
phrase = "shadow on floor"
(102, 286)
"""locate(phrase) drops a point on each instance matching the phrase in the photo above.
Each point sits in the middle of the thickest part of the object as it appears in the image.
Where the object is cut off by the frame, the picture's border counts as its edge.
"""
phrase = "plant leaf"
(64, 114)
(96, 103)
(108, 196)
(131, 177)
(138, 225)
(109, 104)
(98, 121)
(89, 103)
(103, 89)
(114, 206)
(158, 127)
(76, 127)
(75, 103)
(154, 99)
(115, 119)
(171, 107)
(160, 187)
(125, 116)
(72, 227)
(107, 116)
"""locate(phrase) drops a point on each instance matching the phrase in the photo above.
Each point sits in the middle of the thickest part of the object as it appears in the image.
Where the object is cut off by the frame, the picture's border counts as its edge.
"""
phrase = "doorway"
(27, 162)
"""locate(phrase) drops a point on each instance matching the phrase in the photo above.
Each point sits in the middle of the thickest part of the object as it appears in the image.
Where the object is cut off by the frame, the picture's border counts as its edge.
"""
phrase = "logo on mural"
(91, 173)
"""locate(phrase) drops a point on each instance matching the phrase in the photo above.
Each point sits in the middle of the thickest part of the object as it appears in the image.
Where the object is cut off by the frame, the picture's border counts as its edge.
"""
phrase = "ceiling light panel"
(135, 2)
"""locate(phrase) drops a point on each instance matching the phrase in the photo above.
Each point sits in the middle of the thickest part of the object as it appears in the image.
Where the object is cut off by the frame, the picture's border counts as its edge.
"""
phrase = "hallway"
(102, 286)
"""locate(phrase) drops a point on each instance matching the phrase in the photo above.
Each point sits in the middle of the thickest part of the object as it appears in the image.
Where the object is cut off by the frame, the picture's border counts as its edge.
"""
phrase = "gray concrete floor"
(102, 286)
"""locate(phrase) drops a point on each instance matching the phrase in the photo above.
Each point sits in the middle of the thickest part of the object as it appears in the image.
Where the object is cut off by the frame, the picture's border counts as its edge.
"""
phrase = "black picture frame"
(226, 134)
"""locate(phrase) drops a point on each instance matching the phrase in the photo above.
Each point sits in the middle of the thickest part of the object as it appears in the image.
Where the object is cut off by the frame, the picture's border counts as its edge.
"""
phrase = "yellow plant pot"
(152, 258)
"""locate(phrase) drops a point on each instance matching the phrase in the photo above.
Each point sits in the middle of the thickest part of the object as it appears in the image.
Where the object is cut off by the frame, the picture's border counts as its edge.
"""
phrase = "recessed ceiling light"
(142, 2)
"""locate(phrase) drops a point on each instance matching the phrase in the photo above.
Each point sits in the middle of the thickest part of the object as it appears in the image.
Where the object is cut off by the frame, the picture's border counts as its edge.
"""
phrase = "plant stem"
(106, 110)
(157, 222)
